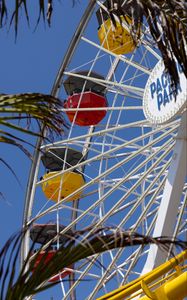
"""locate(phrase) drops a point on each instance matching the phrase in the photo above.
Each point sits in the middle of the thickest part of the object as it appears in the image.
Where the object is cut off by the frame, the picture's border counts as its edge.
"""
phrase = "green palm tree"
(45, 110)
(167, 23)
(80, 245)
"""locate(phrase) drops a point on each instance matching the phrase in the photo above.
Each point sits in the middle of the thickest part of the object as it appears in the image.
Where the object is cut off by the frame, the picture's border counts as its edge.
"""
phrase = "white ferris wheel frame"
(176, 176)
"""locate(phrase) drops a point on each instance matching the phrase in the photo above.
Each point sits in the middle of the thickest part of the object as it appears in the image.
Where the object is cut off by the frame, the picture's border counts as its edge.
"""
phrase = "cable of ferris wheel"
(119, 127)
(108, 193)
(111, 151)
(121, 57)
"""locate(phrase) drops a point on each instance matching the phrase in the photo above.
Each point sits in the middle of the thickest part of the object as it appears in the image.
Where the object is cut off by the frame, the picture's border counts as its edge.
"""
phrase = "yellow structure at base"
(170, 288)
(61, 186)
(116, 39)
(175, 289)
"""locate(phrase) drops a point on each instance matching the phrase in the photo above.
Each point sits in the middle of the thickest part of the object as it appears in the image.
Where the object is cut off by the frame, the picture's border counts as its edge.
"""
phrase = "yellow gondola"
(116, 39)
(62, 185)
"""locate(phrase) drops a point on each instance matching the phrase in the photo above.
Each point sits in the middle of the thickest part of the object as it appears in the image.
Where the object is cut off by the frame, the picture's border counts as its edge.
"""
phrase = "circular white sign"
(159, 102)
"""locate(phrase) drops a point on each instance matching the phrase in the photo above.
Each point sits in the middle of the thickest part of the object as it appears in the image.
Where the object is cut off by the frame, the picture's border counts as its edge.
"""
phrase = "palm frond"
(13, 140)
(10, 169)
(3, 13)
(44, 109)
(45, 10)
(77, 246)
(167, 22)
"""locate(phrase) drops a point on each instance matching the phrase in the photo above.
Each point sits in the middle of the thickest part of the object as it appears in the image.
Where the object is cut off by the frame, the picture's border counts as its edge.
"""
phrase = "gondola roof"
(75, 84)
(43, 233)
(53, 159)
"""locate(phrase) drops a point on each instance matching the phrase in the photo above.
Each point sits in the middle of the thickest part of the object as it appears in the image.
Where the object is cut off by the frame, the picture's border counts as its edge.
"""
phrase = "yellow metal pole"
(135, 285)
(175, 289)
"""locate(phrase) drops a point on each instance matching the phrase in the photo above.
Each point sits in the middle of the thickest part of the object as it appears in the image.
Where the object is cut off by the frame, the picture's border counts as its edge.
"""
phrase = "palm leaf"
(44, 109)
(3, 13)
(167, 22)
(80, 245)
(10, 139)
(10, 169)
(46, 13)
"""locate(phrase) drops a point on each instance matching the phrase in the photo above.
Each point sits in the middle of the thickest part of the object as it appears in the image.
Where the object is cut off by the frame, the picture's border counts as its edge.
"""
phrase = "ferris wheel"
(122, 160)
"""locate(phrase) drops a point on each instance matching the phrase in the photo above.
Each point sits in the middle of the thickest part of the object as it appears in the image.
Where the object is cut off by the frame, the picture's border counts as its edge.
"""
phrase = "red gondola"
(46, 257)
(44, 233)
(87, 100)
(85, 93)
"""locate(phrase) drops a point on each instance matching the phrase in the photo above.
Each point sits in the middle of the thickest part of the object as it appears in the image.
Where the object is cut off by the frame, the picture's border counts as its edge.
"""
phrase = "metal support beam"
(168, 210)
(174, 289)
(135, 287)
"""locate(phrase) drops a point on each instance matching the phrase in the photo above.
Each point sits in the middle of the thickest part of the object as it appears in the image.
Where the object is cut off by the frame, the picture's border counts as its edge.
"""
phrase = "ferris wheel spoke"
(93, 134)
(180, 223)
(133, 89)
(158, 139)
(123, 199)
(139, 252)
(84, 273)
(130, 260)
(121, 58)
(98, 177)
(146, 209)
